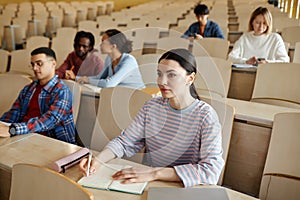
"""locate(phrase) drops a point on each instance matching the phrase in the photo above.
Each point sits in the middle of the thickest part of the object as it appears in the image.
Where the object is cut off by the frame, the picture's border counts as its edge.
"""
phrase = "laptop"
(158, 193)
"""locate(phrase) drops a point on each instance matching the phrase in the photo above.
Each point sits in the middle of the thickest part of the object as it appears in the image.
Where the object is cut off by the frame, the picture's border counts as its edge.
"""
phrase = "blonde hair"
(267, 15)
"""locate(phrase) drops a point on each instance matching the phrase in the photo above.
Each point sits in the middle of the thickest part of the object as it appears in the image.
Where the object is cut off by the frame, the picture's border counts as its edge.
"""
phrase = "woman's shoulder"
(275, 35)
(247, 34)
(206, 109)
(128, 58)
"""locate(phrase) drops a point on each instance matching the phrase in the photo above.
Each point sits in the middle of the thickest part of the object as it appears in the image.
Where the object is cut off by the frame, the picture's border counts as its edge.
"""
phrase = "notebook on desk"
(187, 193)
(102, 180)
(243, 66)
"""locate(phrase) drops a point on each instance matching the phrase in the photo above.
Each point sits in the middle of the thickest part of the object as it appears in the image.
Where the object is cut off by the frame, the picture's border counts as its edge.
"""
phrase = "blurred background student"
(121, 68)
(259, 44)
(203, 27)
(85, 60)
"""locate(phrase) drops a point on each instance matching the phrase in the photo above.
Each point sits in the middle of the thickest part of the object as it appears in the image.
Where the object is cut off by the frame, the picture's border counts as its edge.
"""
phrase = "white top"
(268, 46)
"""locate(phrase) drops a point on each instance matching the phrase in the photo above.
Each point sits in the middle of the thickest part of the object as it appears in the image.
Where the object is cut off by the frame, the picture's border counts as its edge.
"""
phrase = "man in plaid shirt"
(44, 106)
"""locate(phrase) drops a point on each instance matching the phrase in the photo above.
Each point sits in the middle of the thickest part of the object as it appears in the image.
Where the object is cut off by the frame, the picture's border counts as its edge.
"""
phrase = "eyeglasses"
(38, 63)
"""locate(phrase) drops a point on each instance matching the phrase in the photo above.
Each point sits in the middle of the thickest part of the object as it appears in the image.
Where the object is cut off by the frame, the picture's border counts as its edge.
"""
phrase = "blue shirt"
(127, 74)
(56, 119)
(212, 29)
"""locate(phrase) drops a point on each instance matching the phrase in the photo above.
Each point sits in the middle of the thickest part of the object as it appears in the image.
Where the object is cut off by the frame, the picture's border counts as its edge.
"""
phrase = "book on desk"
(102, 179)
(243, 66)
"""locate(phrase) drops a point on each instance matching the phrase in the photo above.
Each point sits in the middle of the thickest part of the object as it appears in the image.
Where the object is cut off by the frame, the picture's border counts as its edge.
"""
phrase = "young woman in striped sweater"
(181, 133)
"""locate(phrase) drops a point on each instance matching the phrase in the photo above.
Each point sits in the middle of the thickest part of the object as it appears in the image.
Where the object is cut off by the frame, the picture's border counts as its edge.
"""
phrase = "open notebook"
(102, 180)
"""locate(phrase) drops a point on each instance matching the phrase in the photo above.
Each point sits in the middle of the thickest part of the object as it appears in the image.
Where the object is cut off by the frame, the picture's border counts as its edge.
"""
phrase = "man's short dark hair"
(84, 34)
(44, 50)
(201, 9)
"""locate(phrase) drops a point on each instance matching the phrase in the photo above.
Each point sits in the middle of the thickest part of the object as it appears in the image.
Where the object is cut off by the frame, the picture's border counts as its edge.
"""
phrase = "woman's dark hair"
(201, 9)
(116, 37)
(187, 61)
(83, 34)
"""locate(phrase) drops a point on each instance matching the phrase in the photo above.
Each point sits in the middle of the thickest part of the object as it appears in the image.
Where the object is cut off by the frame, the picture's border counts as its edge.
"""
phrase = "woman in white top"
(259, 44)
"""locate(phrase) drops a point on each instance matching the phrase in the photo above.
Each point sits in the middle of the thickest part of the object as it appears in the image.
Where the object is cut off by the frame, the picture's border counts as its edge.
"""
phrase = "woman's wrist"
(165, 174)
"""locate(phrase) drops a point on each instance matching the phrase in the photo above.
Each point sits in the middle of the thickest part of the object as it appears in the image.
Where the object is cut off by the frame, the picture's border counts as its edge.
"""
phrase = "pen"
(89, 164)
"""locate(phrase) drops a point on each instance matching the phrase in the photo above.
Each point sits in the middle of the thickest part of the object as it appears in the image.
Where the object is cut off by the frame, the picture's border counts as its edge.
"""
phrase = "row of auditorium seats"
(278, 70)
(275, 84)
(101, 22)
(129, 20)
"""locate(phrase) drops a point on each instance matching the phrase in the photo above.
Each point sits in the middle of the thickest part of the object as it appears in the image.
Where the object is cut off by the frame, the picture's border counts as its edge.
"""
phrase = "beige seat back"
(3, 60)
(277, 84)
(297, 53)
(35, 183)
(151, 58)
(226, 115)
(10, 87)
(34, 42)
(149, 74)
(291, 34)
(167, 43)
(61, 51)
(117, 108)
(214, 47)
(76, 92)
(20, 62)
(213, 76)
(281, 176)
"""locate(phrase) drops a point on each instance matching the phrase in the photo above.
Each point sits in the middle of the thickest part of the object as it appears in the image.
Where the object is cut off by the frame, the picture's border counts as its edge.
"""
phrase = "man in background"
(203, 27)
(44, 106)
(84, 60)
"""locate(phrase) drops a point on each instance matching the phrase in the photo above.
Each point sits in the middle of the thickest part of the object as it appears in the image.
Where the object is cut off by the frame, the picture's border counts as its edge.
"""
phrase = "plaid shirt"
(56, 119)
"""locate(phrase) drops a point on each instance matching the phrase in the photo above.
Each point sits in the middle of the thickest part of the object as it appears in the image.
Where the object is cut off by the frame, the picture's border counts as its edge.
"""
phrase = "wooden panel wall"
(119, 4)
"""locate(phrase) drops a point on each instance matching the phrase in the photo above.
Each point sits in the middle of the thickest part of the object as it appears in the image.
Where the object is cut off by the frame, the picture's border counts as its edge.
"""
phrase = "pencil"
(89, 164)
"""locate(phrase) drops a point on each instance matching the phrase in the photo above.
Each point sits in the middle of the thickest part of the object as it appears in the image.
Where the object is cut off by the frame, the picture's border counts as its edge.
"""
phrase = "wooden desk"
(249, 144)
(258, 113)
(30, 148)
(242, 83)
(6, 141)
(42, 150)
(103, 194)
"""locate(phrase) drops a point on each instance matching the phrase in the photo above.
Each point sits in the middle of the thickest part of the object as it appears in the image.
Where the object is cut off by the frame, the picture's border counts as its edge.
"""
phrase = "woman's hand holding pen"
(102, 157)
(83, 165)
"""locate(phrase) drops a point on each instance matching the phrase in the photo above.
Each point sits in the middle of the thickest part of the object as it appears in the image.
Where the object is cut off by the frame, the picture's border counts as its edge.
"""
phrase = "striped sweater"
(189, 140)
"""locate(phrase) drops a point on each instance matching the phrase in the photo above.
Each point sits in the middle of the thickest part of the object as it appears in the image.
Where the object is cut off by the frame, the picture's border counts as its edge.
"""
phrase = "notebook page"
(133, 188)
(101, 179)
